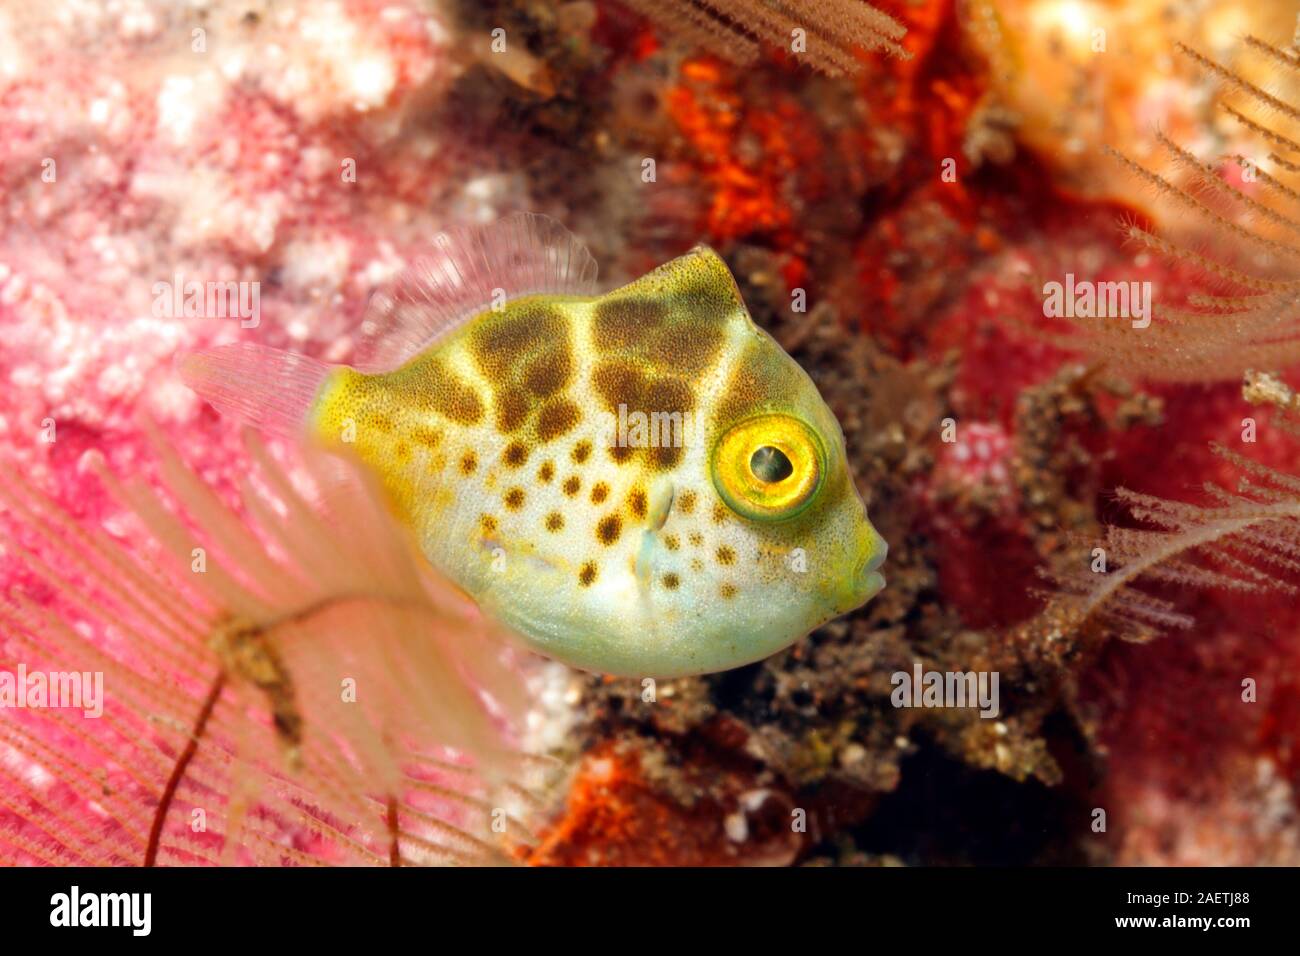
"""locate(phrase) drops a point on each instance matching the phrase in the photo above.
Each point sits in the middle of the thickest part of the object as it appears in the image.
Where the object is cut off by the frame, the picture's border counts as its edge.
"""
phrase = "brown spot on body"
(726, 556)
(557, 417)
(587, 574)
(572, 485)
(669, 395)
(608, 529)
(546, 472)
(665, 457)
(664, 400)
(512, 411)
(581, 452)
(468, 463)
(525, 353)
(402, 451)
(432, 386)
(671, 581)
(761, 378)
(647, 329)
(695, 538)
(618, 384)
(689, 348)
(626, 322)
(697, 565)
(487, 523)
(719, 513)
(599, 492)
(549, 372)
(671, 542)
(426, 384)
(554, 521)
(428, 437)
(501, 342)
(514, 499)
(686, 502)
(462, 405)
(728, 590)
(636, 501)
(516, 454)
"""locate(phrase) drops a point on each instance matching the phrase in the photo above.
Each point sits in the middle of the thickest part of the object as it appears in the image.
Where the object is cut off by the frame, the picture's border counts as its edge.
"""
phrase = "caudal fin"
(268, 388)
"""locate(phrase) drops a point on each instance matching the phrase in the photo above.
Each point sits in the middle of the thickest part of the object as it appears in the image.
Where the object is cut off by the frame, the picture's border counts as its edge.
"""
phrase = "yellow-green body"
(495, 446)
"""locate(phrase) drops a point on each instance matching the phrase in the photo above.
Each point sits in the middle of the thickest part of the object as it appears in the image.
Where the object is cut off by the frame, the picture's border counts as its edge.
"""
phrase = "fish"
(640, 483)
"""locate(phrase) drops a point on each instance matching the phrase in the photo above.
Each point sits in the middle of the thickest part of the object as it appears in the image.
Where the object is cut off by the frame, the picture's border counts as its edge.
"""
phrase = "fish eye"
(768, 468)
(770, 464)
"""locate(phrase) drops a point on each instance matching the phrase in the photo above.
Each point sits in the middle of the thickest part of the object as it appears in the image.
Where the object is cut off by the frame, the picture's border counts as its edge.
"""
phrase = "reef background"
(922, 299)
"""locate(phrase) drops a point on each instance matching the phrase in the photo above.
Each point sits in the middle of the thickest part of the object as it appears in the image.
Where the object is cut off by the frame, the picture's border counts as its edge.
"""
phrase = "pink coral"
(142, 144)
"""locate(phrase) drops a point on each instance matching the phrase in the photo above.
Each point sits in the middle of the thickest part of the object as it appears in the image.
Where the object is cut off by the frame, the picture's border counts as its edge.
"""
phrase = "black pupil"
(770, 465)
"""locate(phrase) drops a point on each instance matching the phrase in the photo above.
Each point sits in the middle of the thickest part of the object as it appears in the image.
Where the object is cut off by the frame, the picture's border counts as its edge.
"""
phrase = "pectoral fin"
(659, 502)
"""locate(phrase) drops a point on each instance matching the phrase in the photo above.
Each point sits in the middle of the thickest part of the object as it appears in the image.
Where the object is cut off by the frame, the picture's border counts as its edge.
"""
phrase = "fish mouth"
(855, 589)
(867, 579)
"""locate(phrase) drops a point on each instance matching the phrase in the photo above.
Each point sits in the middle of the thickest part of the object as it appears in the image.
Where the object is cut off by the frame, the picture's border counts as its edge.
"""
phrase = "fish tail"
(270, 389)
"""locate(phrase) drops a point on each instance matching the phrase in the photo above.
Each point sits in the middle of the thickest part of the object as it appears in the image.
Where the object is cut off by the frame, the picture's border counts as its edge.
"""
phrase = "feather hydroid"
(290, 685)
(1246, 541)
(1245, 311)
(734, 29)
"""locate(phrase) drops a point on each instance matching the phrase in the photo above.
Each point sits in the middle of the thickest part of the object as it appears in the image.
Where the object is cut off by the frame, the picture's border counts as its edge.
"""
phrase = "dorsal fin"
(463, 271)
(698, 272)
(698, 279)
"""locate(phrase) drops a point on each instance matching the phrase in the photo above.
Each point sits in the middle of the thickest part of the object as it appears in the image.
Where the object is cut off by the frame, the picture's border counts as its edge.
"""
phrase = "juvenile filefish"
(640, 483)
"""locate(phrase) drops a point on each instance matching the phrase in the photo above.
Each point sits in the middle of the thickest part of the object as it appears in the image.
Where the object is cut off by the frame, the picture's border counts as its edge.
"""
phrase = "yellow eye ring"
(768, 468)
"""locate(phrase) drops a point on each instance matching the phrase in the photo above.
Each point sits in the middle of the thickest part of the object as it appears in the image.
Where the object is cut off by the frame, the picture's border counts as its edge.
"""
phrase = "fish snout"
(867, 579)
(858, 579)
